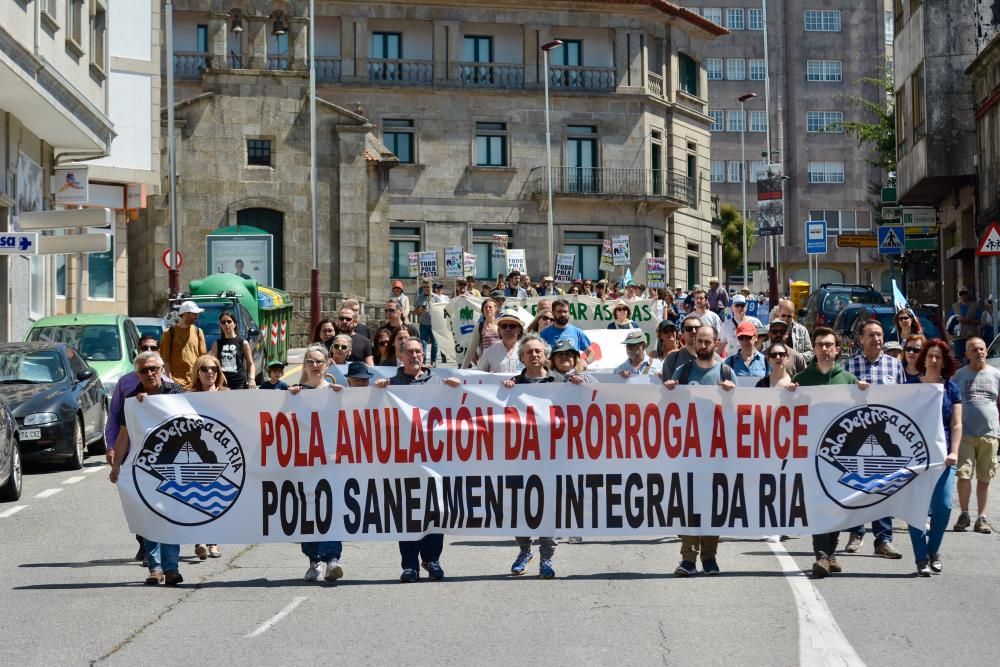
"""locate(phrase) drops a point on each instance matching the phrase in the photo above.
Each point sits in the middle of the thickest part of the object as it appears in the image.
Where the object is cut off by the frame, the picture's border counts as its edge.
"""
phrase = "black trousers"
(825, 544)
(426, 549)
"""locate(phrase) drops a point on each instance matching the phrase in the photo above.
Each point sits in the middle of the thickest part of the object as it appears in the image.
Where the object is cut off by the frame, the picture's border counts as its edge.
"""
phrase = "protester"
(394, 319)
(623, 317)
(894, 350)
(485, 335)
(275, 369)
(779, 376)
(663, 307)
(514, 289)
(728, 331)
(400, 298)
(356, 326)
(587, 289)
(967, 314)
(314, 365)
(561, 328)
(777, 332)
(358, 374)
(323, 333)
(340, 349)
(912, 346)
(235, 355)
(161, 559)
(937, 366)
(717, 297)
(549, 287)
(666, 340)
(384, 354)
(361, 347)
(637, 362)
(905, 324)
(689, 351)
(703, 313)
(747, 361)
(183, 343)
(705, 369)
(501, 357)
(470, 286)
(977, 452)
(542, 319)
(798, 334)
(422, 307)
(398, 338)
(566, 359)
(824, 370)
(207, 375)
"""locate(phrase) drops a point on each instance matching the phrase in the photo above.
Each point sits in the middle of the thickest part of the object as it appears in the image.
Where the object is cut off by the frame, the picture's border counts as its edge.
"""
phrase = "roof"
(672, 9)
(32, 346)
(376, 151)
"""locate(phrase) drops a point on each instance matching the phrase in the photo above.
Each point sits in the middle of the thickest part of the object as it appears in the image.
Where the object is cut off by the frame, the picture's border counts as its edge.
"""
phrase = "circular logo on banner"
(868, 453)
(190, 470)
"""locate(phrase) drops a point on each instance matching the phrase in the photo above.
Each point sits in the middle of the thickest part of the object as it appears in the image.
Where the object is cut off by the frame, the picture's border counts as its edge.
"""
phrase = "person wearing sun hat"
(747, 361)
(728, 331)
(501, 357)
(638, 363)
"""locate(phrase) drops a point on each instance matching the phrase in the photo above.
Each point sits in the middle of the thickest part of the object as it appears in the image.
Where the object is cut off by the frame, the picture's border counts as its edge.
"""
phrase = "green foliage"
(732, 238)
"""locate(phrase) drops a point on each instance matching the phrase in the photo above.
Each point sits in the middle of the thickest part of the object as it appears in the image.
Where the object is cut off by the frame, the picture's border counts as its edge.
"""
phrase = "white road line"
(12, 511)
(47, 492)
(821, 641)
(94, 469)
(274, 620)
(74, 480)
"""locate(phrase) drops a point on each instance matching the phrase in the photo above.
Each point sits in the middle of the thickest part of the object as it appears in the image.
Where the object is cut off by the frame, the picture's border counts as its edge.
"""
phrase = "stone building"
(453, 91)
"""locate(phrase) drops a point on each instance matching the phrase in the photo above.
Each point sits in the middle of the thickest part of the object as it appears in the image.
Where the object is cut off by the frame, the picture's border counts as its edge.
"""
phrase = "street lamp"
(549, 46)
(742, 99)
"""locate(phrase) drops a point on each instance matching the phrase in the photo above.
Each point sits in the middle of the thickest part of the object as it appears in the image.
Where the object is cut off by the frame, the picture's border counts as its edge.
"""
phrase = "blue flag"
(899, 301)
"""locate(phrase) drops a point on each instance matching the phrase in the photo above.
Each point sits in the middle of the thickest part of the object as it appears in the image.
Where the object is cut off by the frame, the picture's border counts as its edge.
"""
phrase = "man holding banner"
(561, 328)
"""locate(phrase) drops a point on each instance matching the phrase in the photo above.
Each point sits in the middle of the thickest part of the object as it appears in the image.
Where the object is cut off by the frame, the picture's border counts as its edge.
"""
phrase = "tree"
(731, 221)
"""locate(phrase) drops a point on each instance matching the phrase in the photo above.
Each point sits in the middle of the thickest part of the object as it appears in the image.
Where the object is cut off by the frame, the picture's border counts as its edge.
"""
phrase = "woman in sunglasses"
(234, 354)
(383, 350)
(340, 348)
(542, 320)
(777, 355)
(207, 375)
(623, 320)
(912, 346)
(904, 325)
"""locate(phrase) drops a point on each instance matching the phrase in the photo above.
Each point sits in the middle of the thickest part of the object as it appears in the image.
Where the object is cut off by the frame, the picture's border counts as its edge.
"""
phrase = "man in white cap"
(549, 288)
(182, 344)
(728, 332)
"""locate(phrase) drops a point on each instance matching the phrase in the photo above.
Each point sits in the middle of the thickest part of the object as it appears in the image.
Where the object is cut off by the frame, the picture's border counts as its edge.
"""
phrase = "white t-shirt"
(498, 359)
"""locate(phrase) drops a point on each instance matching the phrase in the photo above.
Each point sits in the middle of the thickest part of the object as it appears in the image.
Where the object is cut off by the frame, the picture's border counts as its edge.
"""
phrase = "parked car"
(884, 314)
(10, 457)
(150, 326)
(57, 400)
(108, 343)
(826, 302)
(208, 322)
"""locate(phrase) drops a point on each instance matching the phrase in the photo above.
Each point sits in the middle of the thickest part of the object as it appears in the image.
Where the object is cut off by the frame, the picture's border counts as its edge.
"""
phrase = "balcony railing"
(581, 78)
(606, 183)
(277, 61)
(654, 84)
(401, 71)
(190, 64)
(491, 75)
(327, 68)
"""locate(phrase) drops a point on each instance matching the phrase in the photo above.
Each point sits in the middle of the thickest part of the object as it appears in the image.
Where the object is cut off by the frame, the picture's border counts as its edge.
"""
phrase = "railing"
(235, 60)
(602, 182)
(190, 64)
(327, 68)
(491, 75)
(654, 84)
(582, 78)
(401, 71)
(277, 61)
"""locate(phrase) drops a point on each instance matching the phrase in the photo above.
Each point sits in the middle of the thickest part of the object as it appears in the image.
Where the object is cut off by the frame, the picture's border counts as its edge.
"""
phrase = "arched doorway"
(273, 223)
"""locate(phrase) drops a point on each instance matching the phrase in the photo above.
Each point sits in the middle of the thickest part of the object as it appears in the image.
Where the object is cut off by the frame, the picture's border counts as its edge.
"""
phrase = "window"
(714, 68)
(101, 272)
(581, 158)
(716, 125)
(477, 49)
(917, 102)
(482, 246)
(826, 172)
(897, 15)
(50, 9)
(386, 46)
(889, 32)
(402, 241)
(397, 135)
(693, 266)
(687, 76)
(758, 121)
(734, 121)
(718, 171)
(822, 20)
(713, 14)
(735, 19)
(734, 171)
(36, 287)
(824, 70)
(736, 69)
(758, 69)
(587, 248)
(755, 19)
(99, 38)
(491, 144)
(900, 121)
(74, 23)
(259, 152)
(758, 170)
(844, 222)
(825, 121)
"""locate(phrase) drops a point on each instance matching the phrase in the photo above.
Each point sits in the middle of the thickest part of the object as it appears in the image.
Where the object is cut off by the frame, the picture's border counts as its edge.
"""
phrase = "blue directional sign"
(816, 237)
(891, 239)
(19, 243)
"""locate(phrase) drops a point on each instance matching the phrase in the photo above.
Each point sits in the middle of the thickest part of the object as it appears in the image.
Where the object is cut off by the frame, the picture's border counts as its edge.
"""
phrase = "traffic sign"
(166, 259)
(19, 243)
(890, 239)
(920, 231)
(920, 216)
(892, 212)
(816, 237)
(990, 245)
(78, 217)
(926, 243)
(75, 243)
(857, 241)
(889, 195)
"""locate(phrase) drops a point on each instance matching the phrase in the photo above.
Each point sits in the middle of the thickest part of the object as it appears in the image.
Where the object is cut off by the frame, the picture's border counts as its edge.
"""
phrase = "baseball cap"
(497, 294)
(357, 369)
(275, 363)
(666, 325)
(397, 283)
(190, 307)
(739, 298)
(746, 329)
(564, 345)
(437, 286)
(892, 346)
(778, 324)
(635, 337)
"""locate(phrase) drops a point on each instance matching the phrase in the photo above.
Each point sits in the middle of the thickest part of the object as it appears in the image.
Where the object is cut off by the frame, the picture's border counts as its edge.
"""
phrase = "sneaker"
(886, 550)
(821, 568)
(935, 563)
(521, 563)
(214, 551)
(835, 565)
(409, 576)
(710, 566)
(575, 540)
(155, 577)
(434, 569)
(982, 525)
(201, 551)
(172, 577)
(962, 523)
(923, 569)
(854, 543)
(686, 568)
(314, 571)
(334, 570)
(545, 569)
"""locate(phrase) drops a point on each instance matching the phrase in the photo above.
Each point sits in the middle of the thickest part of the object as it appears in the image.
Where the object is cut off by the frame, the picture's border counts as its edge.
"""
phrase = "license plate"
(30, 433)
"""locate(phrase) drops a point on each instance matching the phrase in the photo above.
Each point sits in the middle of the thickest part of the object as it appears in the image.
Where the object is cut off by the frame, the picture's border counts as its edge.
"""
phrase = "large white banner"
(366, 464)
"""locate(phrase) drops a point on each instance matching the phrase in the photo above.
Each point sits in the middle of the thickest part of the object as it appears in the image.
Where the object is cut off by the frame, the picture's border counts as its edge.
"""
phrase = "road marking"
(47, 492)
(74, 480)
(821, 641)
(12, 511)
(274, 620)
(94, 469)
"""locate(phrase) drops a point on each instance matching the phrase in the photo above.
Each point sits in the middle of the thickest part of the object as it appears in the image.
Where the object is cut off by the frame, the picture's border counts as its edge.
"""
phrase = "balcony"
(190, 64)
(654, 84)
(327, 69)
(491, 75)
(652, 186)
(564, 77)
(413, 72)
(278, 62)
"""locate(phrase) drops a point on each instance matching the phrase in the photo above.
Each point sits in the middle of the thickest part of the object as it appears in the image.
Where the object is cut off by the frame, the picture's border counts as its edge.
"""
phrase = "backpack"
(725, 372)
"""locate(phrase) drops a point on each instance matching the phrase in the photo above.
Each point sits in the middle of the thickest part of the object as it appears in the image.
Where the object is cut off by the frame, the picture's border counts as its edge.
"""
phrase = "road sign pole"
(857, 267)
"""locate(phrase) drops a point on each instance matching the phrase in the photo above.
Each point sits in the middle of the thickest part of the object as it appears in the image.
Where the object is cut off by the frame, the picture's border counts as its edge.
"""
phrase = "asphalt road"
(70, 595)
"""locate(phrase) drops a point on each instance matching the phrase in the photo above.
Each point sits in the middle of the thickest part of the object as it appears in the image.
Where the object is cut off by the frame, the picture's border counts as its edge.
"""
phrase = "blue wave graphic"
(212, 499)
(881, 484)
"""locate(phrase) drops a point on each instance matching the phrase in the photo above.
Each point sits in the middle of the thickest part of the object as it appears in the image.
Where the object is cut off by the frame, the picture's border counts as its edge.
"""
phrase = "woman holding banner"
(484, 335)
(207, 375)
(502, 357)
(622, 314)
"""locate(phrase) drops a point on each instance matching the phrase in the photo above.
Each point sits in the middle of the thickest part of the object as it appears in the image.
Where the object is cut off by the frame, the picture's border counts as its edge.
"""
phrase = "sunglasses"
(342, 348)
(914, 350)
(345, 319)
(691, 329)
(209, 369)
(546, 318)
(744, 338)
(509, 326)
(739, 305)
(381, 342)
(777, 355)
(226, 322)
(315, 362)
(392, 310)
(148, 348)
(904, 318)
(150, 370)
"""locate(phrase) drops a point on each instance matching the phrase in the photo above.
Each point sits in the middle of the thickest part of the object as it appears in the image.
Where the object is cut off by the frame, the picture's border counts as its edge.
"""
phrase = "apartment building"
(817, 55)
(433, 134)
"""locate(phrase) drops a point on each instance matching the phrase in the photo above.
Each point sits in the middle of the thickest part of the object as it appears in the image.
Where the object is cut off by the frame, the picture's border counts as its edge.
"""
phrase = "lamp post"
(173, 273)
(549, 46)
(742, 99)
(314, 300)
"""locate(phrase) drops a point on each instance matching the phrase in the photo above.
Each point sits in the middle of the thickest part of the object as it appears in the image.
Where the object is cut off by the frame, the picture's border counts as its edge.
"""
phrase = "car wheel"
(75, 462)
(11, 490)
(100, 446)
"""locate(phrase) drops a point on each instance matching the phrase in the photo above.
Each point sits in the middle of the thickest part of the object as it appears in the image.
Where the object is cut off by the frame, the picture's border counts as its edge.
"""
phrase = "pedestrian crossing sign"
(890, 240)
(990, 245)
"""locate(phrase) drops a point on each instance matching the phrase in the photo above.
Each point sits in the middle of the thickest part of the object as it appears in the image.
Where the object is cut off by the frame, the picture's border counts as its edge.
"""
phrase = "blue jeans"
(162, 556)
(929, 542)
(427, 549)
(881, 528)
(321, 551)
(427, 337)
